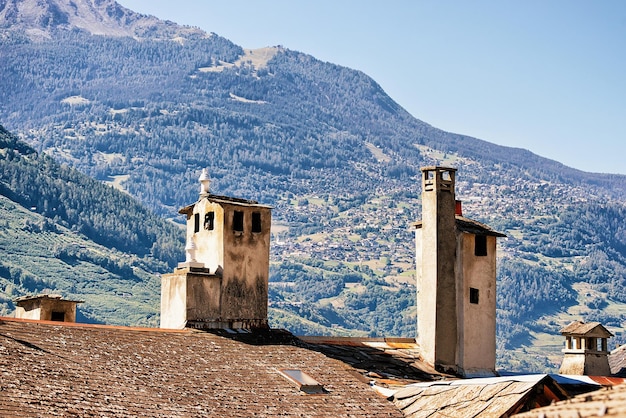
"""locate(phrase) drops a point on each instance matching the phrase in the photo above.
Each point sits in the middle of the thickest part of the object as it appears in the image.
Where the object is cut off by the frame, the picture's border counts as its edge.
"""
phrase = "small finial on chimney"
(205, 181)
(190, 251)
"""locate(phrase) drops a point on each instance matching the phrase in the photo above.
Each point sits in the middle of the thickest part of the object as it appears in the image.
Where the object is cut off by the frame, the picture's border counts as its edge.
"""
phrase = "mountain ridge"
(40, 19)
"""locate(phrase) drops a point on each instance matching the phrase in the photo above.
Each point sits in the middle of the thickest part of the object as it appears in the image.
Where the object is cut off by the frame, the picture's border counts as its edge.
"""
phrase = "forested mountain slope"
(63, 231)
(336, 156)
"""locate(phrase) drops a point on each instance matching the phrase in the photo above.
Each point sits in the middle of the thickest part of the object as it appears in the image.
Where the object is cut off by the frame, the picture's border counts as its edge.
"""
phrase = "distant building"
(456, 281)
(224, 281)
(586, 349)
(46, 308)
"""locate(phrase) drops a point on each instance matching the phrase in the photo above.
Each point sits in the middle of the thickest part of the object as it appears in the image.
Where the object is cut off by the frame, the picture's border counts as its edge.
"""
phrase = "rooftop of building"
(222, 199)
(86, 369)
(52, 368)
(606, 402)
(590, 329)
(45, 296)
(471, 226)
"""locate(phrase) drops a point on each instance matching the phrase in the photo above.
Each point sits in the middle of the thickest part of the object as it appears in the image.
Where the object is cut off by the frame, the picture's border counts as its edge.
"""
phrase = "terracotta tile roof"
(60, 369)
(606, 402)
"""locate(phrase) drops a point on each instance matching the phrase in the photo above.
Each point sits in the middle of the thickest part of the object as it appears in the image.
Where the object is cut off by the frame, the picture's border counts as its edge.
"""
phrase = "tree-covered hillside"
(63, 231)
(337, 158)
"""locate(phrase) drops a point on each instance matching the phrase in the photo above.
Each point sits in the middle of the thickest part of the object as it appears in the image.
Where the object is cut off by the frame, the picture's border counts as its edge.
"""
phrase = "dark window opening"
(57, 316)
(209, 217)
(480, 245)
(473, 295)
(196, 222)
(238, 221)
(256, 221)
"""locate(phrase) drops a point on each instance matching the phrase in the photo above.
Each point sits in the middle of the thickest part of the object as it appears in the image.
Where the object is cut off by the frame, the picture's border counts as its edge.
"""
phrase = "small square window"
(238, 221)
(480, 245)
(473, 295)
(209, 219)
(256, 222)
(57, 316)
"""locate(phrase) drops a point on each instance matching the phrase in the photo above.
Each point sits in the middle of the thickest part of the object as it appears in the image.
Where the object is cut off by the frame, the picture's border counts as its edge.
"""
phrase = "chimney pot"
(459, 208)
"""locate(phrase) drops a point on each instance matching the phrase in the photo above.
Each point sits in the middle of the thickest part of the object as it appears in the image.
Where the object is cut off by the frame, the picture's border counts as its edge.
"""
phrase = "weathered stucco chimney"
(456, 281)
(223, 282)
(46, 308)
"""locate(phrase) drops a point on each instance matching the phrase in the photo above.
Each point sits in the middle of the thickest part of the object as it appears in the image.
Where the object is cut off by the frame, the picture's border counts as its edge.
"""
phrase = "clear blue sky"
(545, 75)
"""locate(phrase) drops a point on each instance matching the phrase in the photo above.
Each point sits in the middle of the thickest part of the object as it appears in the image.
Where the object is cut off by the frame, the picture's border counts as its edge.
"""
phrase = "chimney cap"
(44, 296)
(437, 168)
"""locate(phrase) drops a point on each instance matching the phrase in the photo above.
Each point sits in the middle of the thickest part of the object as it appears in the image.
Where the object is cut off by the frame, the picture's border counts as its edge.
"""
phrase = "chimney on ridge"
(586, 350)
(46, 308)
(223, 282)
(456, 281)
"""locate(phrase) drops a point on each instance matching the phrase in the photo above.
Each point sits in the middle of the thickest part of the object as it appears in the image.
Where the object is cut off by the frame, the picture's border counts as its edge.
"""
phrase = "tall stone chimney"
(223, 282)
(456, 281)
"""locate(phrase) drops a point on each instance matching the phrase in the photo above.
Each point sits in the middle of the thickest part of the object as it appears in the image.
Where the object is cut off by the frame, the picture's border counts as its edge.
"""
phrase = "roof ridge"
(101, 326)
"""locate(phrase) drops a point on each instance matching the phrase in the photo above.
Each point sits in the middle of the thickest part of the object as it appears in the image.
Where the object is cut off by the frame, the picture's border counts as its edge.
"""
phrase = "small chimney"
(223, 282)
(459, 208)
(46, 308)
(586, 349)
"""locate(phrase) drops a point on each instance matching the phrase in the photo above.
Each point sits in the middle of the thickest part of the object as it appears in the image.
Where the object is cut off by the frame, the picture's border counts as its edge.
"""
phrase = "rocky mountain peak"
(40, 19)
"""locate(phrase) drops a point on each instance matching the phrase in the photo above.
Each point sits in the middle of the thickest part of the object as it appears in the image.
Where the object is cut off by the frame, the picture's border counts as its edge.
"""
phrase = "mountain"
(62, 230)
(146, 106)
(40, 20)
